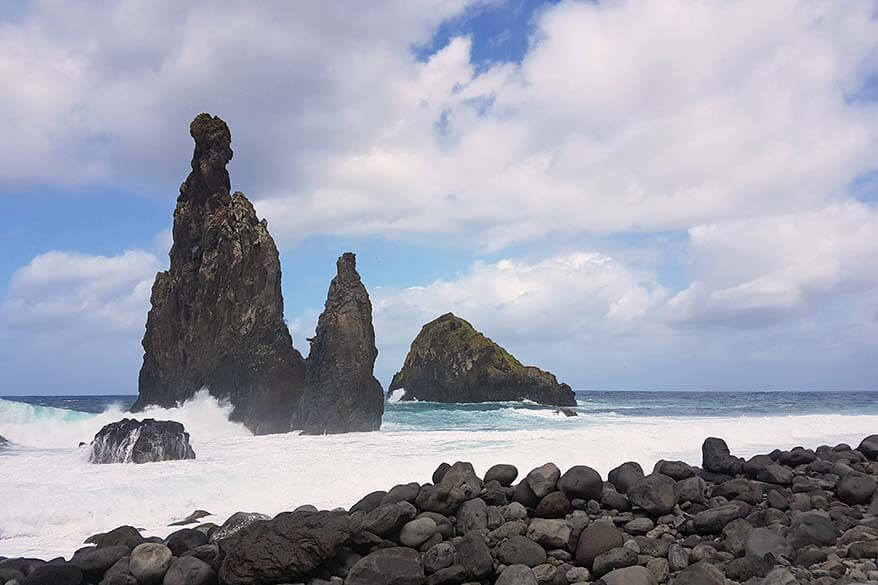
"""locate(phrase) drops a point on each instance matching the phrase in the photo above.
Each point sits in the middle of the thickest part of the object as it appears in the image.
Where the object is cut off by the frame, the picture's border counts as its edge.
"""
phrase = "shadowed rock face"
(217, 313)
(450, 361)
(341, 393)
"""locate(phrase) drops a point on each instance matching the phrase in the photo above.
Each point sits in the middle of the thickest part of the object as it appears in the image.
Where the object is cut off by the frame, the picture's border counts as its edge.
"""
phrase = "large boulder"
(149, 562)
(813, 528)
(713, 520)
(856, 488)
(869, 447)
(389, 566)
(449, 361)
(287, 548)
(716, 457)
(95, 561)
(235, 523)
(189, 571)
(504, 473)
(475, 556)
(341, 393)
(217, 316)
(595, 540)
(655, 494)
(543, 479)
(628, 576)
(519, 549)
(581, 482)
(625, 476)
(134, 441)
(54, 574)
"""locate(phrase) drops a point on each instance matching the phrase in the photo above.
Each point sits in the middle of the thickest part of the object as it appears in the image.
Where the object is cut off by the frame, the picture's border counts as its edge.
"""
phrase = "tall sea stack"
(341, 392)
(217, 313)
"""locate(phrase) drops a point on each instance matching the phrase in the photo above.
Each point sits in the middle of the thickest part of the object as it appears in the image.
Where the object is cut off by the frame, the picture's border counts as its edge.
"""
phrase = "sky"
(631, 194)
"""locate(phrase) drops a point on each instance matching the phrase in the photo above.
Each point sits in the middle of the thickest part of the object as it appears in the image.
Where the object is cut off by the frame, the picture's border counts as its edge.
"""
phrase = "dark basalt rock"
(217, 314)
(286, 549)
(341, 393)
(133, 441)
(3, 442)
(449, 361)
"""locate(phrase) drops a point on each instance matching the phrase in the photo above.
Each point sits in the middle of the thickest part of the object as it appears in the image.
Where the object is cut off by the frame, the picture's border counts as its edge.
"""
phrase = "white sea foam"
(52, 499)
(396, 395)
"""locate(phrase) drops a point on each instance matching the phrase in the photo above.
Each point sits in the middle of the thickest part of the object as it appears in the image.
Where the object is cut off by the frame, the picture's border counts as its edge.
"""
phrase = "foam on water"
(52, 499)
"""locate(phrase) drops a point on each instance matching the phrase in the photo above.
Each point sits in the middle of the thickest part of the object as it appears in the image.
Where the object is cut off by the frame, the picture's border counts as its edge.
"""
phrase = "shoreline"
(804, 483)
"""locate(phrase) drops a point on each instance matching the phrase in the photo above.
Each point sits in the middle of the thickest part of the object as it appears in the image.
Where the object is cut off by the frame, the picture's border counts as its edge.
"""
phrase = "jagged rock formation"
(341, 393)
(217, 313)
(450, 361)
(134, 441)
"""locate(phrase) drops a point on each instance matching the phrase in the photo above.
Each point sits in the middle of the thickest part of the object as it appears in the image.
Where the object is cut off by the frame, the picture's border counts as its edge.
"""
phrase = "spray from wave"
(45, 427)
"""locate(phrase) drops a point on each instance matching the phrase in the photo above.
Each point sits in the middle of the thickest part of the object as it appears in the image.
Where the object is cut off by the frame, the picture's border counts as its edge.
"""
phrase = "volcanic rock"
(133, 441)
(217, 314)
(341, 393)
(449, 361)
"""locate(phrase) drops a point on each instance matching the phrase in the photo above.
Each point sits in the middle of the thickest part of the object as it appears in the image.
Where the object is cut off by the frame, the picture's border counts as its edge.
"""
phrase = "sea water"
(51, 498)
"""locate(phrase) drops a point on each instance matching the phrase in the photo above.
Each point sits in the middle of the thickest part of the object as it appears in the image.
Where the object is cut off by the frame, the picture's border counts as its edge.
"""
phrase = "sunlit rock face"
(449, 361)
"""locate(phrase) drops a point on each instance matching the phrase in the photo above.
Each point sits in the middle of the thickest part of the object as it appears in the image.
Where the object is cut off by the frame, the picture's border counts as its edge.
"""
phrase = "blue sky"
(629, 194)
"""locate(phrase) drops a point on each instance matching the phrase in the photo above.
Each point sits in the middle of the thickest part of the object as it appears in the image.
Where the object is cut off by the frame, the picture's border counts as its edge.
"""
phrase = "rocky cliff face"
(450, 361)
(217, 313)
(341, 393)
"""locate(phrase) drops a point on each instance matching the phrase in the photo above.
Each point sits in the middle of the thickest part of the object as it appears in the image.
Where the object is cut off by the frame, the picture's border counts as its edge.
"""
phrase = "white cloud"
(67, 290)
(754, 272)
(623, 115)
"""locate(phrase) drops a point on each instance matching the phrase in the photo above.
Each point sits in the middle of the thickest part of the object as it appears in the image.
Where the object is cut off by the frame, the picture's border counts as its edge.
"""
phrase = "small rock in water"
(133, 441)
(568, 412)
(191, 518)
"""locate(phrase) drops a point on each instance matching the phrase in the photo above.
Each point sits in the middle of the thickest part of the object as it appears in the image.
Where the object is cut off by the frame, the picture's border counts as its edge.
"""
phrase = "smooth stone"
(453, 575)
(415, 532)
(702, 573)
(149, 562)
(616, 558)
(629, 576)
(521, 550)
(856, 488)
(639, 526)
(516, 575)
(581, 481)
(763, 541)
(182, 541)
(472, 515)
(438, 557)
(388, 566)
(625, 476)
(189, 571)
(596, 539)
(125, 535)
(554, 505)
(94, 562)
(502, 473)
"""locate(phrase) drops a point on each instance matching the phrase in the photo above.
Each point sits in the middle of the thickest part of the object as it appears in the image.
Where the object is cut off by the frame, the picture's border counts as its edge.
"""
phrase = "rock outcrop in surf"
(217, 314)
(341, 393)
(133, 441)
(449, 361)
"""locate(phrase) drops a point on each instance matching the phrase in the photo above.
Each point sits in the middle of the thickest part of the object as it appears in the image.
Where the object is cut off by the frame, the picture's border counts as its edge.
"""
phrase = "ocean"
(51, 499)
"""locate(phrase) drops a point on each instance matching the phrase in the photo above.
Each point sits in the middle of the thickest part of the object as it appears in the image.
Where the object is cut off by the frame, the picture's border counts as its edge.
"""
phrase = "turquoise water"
(592, 405)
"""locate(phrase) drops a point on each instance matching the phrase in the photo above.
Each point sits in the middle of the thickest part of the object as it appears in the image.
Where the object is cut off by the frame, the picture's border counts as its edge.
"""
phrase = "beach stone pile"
(780, 518)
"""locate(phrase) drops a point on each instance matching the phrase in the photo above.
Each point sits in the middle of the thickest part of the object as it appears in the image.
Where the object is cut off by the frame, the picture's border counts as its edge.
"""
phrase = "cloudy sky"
(631, 194)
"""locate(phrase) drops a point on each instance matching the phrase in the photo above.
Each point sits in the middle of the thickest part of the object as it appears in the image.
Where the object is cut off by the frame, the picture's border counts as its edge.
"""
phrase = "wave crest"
(45, 427)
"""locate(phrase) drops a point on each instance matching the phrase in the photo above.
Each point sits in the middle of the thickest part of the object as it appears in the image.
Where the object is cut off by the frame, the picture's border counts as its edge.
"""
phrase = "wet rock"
(217, 318)
(235, 523)
(449, 361)
(133, 441)
(191, 518)
(182, 541)
(124, 535)
(341, 393)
